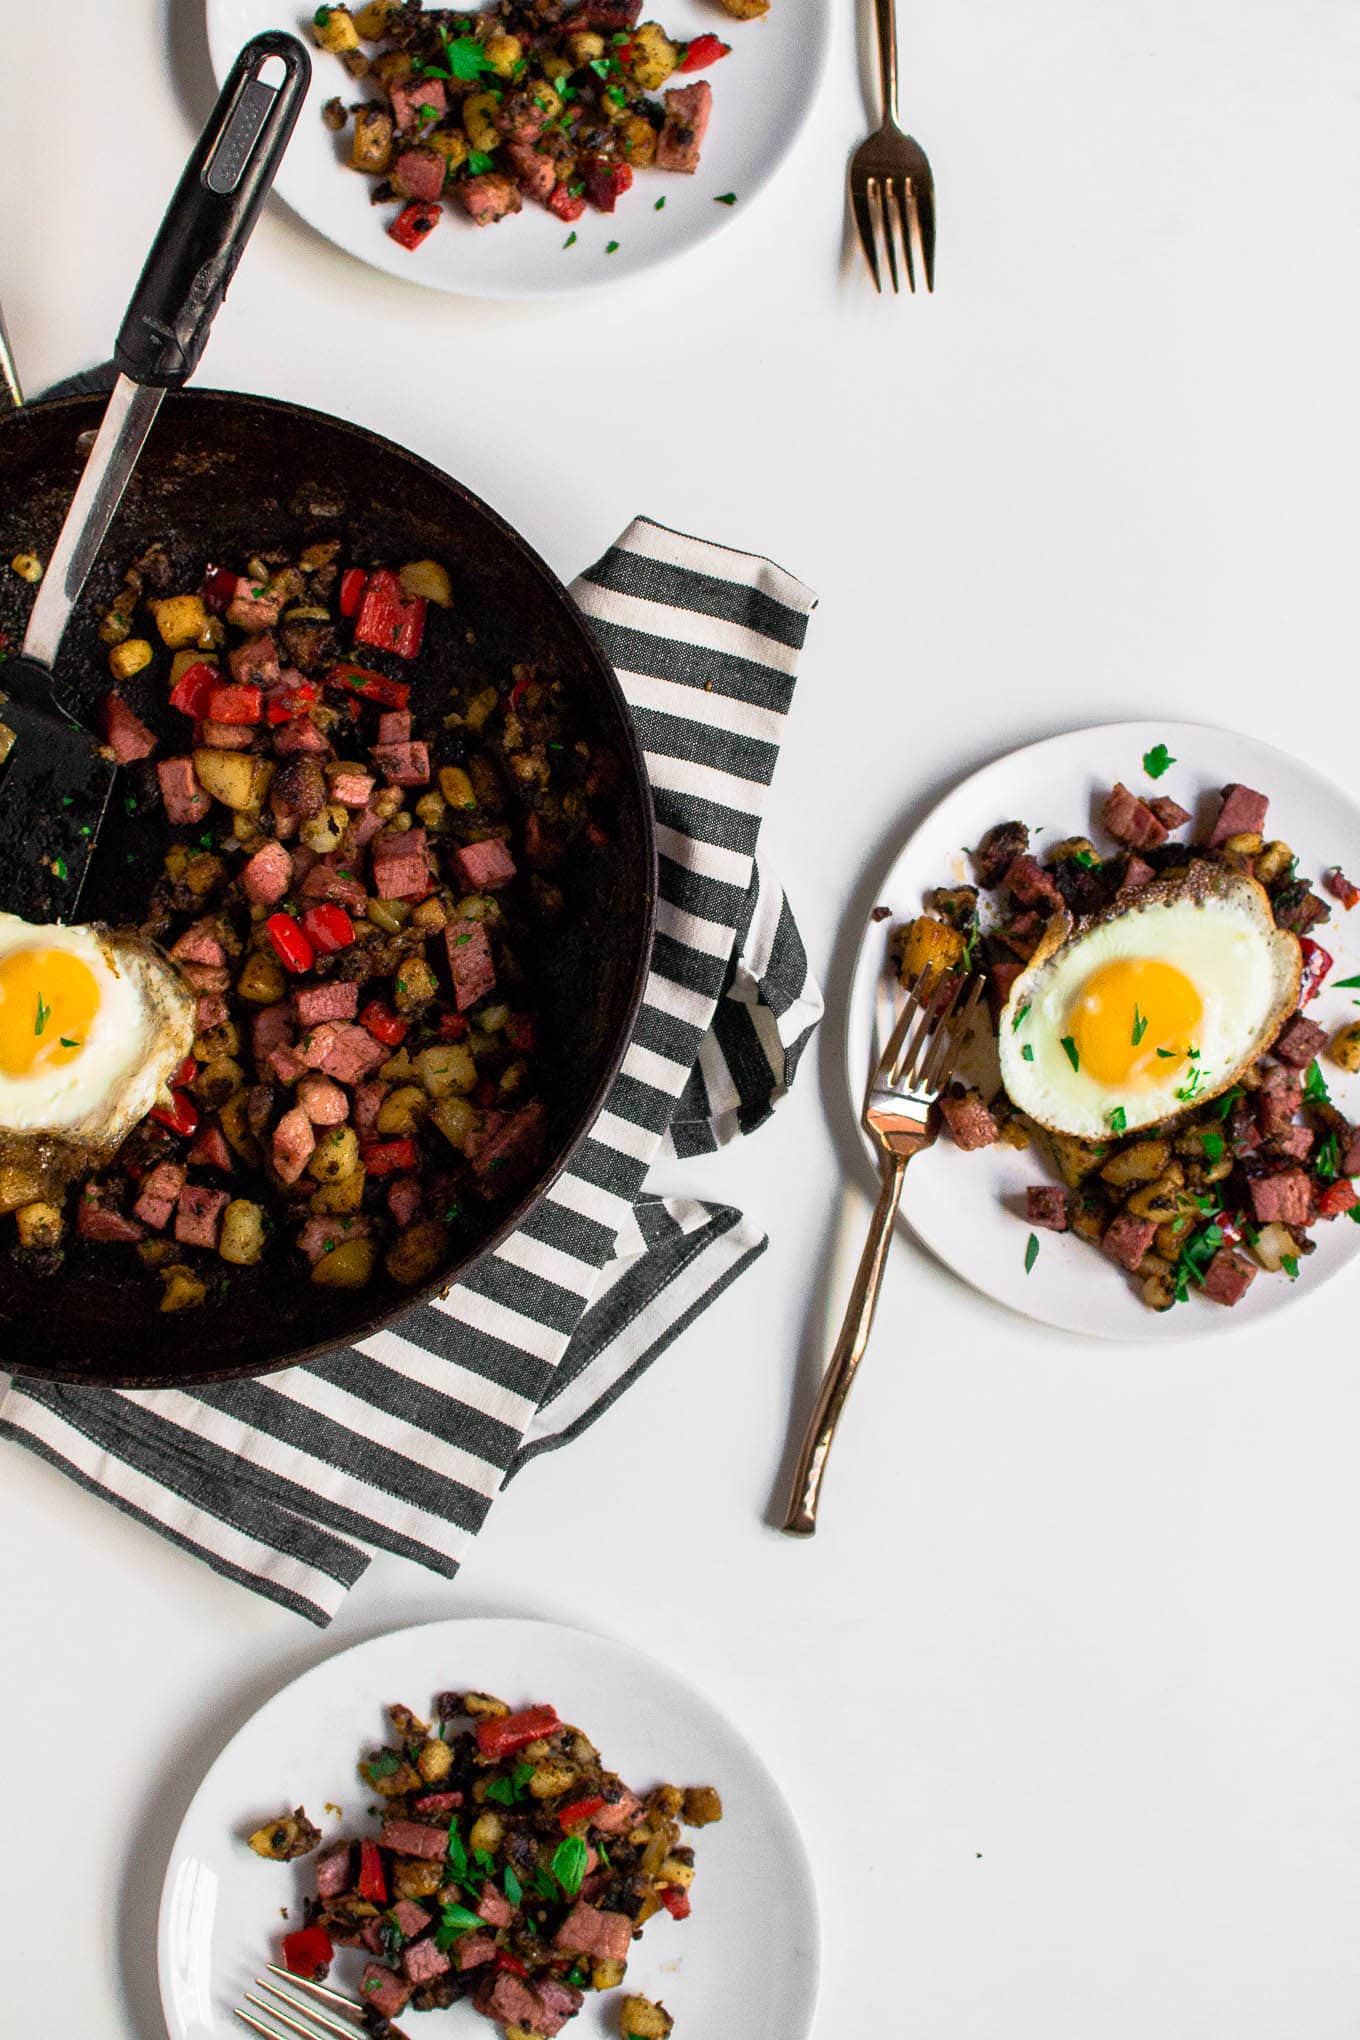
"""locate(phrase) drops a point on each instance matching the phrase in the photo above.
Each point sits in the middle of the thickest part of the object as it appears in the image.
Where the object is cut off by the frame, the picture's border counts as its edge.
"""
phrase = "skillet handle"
(211, 215)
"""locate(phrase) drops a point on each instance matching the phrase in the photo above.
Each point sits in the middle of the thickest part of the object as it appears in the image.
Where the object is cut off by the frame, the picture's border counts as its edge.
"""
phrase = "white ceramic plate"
(762, 94)
(745, 1962)
(968, 1208)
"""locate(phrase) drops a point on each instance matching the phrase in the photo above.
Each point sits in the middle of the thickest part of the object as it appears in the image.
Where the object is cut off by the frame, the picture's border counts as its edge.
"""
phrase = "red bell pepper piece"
(185, 1074)
(580, 1811)
(567, 205)
(383, 1024)
(328, 928)
(180, 1115)
(195, 688)
(1340, 887)
(290, 945)
(372, 686)
(352, 584)
(1337, 1197)
(497, 1739)
(519, 1032)
(1316, 964)
(703, 51)
(372, 1883)
(235, 704)
(282, 706)
(510, 1962)
(389, 1157)
(675, 1901)
(414, 222)
(453, 1026)
(219, 589)
(387, 618)
(308, 1952)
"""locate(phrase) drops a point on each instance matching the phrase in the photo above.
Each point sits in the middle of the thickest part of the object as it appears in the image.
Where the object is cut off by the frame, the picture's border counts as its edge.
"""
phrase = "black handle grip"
(215, 206)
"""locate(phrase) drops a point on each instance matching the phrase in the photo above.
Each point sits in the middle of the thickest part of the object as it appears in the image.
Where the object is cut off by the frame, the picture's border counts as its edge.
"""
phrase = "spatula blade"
(54, 788)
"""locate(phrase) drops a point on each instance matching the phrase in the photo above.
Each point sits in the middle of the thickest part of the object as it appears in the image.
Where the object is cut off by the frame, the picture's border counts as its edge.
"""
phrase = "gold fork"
(890, 178)
(312, 2023)
(903, 1087)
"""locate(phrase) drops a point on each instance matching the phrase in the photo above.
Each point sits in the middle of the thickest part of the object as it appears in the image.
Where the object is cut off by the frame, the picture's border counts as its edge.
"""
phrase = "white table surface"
(1065, 1691)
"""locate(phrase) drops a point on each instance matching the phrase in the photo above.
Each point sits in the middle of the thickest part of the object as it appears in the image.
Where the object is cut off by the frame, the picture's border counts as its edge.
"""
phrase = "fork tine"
(923, 195)
(321, 1990)
(941, 998)
(864, 221)
(889, 203)
(269, 2032)
(949, 1042)
(319, 2020)
(882, 1072)
(903, 194)
(289, 2025)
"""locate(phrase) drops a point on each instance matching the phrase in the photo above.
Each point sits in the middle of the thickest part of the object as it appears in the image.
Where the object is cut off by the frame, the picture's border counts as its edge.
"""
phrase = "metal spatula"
(56, 781)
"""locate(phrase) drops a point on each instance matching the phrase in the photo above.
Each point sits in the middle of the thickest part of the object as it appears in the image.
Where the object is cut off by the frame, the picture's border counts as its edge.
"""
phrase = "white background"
(1065, 1691)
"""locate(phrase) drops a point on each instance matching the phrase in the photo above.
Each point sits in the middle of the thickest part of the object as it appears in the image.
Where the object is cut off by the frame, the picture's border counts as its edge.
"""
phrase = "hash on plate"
(510, 1868)
(1151, 1038)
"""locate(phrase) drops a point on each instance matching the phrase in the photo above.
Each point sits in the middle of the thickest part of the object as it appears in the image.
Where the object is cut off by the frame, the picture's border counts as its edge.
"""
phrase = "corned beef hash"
(1151, 1038)
(509, 1867)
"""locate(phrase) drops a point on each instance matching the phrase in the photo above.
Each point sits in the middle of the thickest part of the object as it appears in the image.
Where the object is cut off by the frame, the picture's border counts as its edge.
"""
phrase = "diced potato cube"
(1141, 1163)
(456, 787)
(434, 1760)
(702, 1806)
(427, 578)
(456, 1119)
(343, 1195)
(239, 779)
(640, 2019)
(1345, 1047)
(926, 944)
(128, 658)
(401, 1111)
(180, 619)
(479, 120)
(370, 149)
(183, 1289)
(1271, 1244)
(263, 980)
(348, 1266)
(40, 1224)
(336, 1154)
(333, 29)
(242, 1240)
(446, 1067)
(652, 56)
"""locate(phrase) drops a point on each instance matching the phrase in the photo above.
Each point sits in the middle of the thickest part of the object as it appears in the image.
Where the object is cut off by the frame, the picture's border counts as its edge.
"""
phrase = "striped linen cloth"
(286, 1484)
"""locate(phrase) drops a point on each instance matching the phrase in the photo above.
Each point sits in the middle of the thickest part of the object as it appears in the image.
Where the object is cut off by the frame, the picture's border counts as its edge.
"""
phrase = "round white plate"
(969, 1208)
(762, 94)
(745, 1962)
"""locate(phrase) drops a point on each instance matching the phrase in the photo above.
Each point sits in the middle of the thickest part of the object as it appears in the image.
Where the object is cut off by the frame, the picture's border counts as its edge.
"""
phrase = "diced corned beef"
(266, 876)
(210, 1150)
(126, 735)
(470, 964)
(565, 203)
(255, 663)
(333, 1873)
(363, 829)
(394, 726)
(484, 867)
(401, 865)
(1000, 977)
(403, 764)
(1297, 909)
(367, 1102)
(1340, 887)
(334, 1000)
(403, 1199)
(1294, 1142)
(1285, 1198)
(608, 16)
(271, 1027)
(299, 734)
(1126, 1239)
(159, 1191)
(408, 98)
(324, 1233)
(1130, 820)
(970, 1123)
(1031, 884)
(1350, 1150)
(687, 111)
(535, 173)
(211, 1011)
(414, 1838)
(411, 1919)
(1046, 1205)
(183, 797)
(503, 1158)
(324, 1103)
(200, 943)
(558, 2002)
(1169, 812)
(351, 789)
(1243, 813)
(198, 1217)
(585, 1931)
(328, 880)
(419, 173)
(1136, 872)
(520, 117)
(507, 1997)
(206, 977)
(1278, 1099)
(422, 1961)
(488, 198)
(438, 1802)
(222, 736)
(475, 1949)
(286, 1063)
(254, 606)
(104, 1222)
(1338, 1197)
(343, 1050)
(494, 1907)
(371, 1935)
(618, 1816)
(293, 1144)
(383, 1990)
(1228, 1276)
(1022, 932)
(1299, 1041)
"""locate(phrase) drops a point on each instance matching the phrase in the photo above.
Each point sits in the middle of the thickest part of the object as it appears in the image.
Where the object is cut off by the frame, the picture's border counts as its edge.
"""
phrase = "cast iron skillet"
(224, 476)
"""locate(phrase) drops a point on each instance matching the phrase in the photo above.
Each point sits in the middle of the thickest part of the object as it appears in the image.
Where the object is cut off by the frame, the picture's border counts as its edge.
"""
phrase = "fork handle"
(886, 13)
(801, 1520)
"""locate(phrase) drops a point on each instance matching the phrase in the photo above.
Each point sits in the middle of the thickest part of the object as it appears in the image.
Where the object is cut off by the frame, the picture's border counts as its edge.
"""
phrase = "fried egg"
(1149, 1009)
(93, 1023)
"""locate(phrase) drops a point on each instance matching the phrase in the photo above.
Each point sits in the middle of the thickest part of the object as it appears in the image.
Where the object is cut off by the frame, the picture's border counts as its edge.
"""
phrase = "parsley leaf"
(1027, 1052)
(1290, 1264)
(1070, 1051)
(44, 1015)
(1140, 1026)
(726, 198)
(1328, 1159)
(569, 1864)
(458, 1861)
(1315, 1090)
(1157, 761)
(657, 208)
(611, 247)
(1347, 985)
(1119, 1119)
(466, 58)
(455, 1921)
(1031, 1251)
(1019, 1016)
(570, 241)
(1212, 1144)
(478, 163)
(514, 1890)
(381, 1767)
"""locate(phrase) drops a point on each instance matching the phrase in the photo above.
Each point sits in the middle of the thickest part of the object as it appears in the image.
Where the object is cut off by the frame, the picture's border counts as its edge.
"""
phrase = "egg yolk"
(1134, 1021)
(48, 1000)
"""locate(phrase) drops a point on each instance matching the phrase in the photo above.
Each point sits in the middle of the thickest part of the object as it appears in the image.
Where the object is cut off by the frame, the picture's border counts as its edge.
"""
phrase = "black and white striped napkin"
(402, 1442)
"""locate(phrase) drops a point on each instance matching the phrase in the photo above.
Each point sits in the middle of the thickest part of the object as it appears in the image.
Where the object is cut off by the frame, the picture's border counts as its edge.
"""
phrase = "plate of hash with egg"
(1158, 1122)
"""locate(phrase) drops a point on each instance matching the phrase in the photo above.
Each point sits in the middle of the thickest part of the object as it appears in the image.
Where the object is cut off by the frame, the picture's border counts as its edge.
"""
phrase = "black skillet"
(222, 476)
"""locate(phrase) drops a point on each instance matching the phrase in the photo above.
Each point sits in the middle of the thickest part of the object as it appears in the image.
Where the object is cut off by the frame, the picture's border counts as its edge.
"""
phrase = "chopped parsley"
(478, 164)
(1212, 1144)
(458, 1860)
(1119, 1119)
(1195, 1257)
(70, 1041)
(570, 241)
(381, 1767)
(1031, 1251)
(1290, 1264)
(1221, 1107)
(514, 1890)
(1019, 1016)
(465, 60)
(611, 247)
(657, 208)
(1027, 1052)
(454, 1922)
(1347, 985)
(1328, 1159)
(59, 867)
(509, 1791)
(1168, 1054)
(569, 1864)
(1315, 1090)
(1140, 1026)
(1087, 859)
(1069, 1048)
(1157, 761)
(44, 1015)
(726, 198)
(543, 1884)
